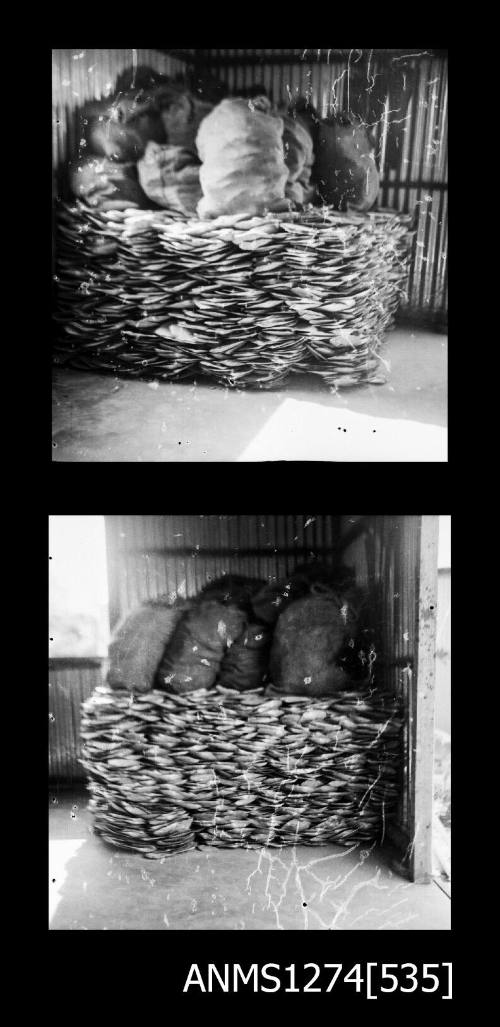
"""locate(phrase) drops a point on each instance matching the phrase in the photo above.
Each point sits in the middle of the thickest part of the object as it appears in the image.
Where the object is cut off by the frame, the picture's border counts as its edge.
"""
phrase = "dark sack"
(308, 638)
(170, 177)
(106, 185)
(345, 165)
(246, 662)
(138, 645)
(194, 654)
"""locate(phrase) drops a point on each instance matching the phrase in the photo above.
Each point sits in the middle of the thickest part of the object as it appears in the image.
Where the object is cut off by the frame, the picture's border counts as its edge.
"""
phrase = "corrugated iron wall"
(386, 559)
(157, 555)
(70, 682)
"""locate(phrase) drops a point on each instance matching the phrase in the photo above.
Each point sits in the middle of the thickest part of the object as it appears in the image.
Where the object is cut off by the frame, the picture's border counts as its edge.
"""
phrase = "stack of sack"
(159, 144)
(140, 148)
(300, 637)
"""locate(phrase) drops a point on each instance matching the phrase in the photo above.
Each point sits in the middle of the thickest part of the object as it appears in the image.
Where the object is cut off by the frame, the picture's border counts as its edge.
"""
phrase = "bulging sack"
(246, 663)
(170, 177)
(107, 185)
(308, 639)
(138, 644)
(240, 144)
(345, 165)
(194, 654)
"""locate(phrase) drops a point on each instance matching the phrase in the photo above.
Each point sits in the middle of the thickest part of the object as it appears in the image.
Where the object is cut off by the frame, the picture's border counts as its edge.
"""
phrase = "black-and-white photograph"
(249, 722)
(249, 255)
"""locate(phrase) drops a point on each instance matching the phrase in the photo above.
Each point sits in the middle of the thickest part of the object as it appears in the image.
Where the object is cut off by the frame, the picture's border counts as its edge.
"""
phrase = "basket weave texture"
(168, 773)
(245, 301)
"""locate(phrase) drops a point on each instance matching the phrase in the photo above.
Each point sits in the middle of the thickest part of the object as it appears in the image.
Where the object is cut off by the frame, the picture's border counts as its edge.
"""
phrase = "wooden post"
(422, 706)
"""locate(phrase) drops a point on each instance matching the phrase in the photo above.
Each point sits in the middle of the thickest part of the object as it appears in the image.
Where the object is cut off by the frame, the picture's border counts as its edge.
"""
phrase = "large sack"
(308, 638)
(138, 645)
(246, 663)
(241, 146)
(345, 165)
(299, 159)
(339, 581)
(194, 654)
(107, 185)
(170, 177)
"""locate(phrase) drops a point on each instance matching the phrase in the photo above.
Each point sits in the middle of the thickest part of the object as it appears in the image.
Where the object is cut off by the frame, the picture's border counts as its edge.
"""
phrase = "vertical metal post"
(422, 734)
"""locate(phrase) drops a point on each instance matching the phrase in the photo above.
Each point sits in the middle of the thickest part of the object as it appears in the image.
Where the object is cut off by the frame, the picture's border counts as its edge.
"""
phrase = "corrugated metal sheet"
(154, 555)
(70, 682)
(386, 562)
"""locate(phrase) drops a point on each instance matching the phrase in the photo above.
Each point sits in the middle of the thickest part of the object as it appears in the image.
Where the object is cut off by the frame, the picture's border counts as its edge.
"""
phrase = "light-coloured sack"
(241, 146)
(170, 177)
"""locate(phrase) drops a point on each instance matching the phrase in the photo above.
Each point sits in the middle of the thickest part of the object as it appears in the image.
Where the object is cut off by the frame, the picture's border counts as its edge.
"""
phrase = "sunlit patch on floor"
(60, 853)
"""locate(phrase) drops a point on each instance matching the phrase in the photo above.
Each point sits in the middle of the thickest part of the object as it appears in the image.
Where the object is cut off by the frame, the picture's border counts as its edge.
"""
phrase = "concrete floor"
(99, 418)
(93, 887)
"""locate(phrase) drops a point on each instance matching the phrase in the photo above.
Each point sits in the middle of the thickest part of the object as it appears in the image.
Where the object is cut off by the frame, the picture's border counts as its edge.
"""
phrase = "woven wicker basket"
(246, 301)
(168, 773)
